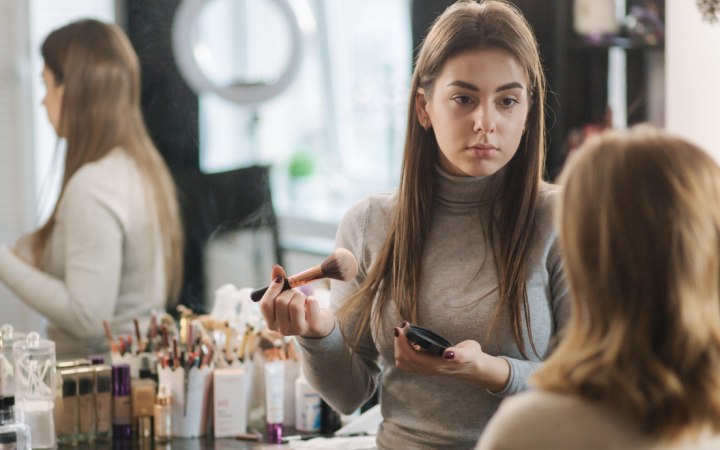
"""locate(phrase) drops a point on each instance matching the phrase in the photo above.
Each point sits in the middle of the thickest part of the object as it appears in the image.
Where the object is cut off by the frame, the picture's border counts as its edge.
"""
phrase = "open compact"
(427, 340)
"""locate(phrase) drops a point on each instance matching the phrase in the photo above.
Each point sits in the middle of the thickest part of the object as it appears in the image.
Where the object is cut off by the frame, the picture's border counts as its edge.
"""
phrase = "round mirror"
(246, 51)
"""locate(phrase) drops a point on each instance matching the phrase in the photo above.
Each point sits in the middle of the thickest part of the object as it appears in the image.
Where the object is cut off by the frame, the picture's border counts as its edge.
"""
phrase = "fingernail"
(278, 279)
(404, 322)
(449, 355)
(397, 332)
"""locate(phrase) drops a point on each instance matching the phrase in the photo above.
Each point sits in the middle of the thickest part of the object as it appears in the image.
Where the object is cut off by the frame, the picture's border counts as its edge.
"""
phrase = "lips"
(483, 151)
(482, 147)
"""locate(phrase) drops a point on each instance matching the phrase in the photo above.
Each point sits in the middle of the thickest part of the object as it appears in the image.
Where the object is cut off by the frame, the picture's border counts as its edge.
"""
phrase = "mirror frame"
(246, 93)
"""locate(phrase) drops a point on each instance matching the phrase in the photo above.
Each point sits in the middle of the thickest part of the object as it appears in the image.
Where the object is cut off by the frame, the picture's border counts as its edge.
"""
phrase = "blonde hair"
(100, 111)
(464, 26)
(639, 226)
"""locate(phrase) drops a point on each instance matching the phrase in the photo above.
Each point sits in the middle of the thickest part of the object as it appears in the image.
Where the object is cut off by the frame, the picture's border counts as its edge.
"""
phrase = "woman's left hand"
(465, 360)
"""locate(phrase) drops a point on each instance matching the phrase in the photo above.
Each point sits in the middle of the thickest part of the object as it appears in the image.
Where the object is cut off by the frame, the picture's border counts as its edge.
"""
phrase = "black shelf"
(607, 42)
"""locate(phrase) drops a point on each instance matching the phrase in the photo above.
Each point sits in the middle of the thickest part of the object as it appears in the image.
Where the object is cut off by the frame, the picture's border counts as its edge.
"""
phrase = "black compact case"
(427, 340)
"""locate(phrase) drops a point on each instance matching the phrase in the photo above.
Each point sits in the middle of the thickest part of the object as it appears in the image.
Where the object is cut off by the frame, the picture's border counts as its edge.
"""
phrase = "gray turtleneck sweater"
(458, 296)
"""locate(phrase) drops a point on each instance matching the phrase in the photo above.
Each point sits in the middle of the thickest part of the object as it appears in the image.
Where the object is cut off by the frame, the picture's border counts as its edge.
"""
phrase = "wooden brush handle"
(257, 294)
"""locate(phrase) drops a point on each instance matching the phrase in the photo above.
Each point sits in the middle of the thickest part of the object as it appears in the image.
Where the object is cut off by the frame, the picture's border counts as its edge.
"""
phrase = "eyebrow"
(472, 87)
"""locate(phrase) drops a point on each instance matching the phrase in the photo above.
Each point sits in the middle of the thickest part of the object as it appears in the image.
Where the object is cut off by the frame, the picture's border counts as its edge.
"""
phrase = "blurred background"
(275, 116)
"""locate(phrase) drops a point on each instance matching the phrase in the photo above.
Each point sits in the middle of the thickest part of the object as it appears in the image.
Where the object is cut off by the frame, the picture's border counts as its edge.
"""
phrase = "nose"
(484, 120)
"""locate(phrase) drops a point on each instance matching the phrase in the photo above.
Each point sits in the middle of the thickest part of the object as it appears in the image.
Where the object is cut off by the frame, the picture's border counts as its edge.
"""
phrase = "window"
(344, 113)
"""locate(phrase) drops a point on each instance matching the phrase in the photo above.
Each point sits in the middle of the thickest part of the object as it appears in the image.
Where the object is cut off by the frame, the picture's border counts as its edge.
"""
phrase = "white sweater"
(103, 260)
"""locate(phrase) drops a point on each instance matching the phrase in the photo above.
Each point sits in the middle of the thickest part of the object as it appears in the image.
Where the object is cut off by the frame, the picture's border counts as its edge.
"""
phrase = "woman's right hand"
(292, 313)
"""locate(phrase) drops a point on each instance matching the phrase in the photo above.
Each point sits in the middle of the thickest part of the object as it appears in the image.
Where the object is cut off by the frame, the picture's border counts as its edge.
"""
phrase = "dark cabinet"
(578, 72)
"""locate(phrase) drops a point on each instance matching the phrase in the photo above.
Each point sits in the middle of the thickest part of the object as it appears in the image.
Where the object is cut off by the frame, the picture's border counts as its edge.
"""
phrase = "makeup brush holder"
(191, 399)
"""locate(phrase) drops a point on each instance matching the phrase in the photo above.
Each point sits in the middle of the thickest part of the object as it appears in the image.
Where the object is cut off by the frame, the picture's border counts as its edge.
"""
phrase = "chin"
(482, 171)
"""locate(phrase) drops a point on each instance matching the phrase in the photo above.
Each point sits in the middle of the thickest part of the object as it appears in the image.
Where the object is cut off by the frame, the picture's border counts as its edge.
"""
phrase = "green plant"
(301, 165)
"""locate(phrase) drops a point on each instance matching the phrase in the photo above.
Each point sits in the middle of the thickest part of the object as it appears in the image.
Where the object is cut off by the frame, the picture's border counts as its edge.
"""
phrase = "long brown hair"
(639, 227)
(464, 26)
(100, 111)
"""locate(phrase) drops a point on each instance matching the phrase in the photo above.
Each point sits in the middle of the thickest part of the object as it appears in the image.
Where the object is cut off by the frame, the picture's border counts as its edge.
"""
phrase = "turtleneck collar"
(466, 193)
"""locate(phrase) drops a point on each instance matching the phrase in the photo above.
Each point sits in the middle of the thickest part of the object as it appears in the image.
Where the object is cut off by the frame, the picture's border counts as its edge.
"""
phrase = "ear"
(420, 108)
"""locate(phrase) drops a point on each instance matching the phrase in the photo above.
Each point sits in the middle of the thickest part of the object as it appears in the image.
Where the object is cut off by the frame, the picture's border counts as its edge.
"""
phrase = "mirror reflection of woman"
(112, 246)
(466, 247)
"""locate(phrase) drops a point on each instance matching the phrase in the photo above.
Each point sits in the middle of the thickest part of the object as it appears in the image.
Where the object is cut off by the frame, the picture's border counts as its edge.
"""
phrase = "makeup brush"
(340, 265)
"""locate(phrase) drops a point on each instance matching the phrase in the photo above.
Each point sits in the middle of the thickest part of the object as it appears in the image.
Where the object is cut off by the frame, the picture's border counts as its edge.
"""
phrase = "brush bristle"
(340, 265)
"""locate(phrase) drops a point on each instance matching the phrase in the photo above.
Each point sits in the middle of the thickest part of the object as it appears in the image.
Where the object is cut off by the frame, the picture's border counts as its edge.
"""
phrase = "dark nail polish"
(449, 355)
(397, 332)
(278, 279)
(404, 322)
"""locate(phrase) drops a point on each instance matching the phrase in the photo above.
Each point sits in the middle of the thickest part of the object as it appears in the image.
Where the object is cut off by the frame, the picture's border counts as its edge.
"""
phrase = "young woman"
(465, 247)
(111, 249)
(639, 367)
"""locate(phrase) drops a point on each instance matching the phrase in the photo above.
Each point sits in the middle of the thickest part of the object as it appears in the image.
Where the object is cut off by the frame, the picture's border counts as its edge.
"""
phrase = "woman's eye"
(508, 102)
(462, 99)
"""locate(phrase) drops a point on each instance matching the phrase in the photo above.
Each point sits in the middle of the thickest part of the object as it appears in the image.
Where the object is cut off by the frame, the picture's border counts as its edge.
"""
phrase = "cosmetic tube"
(122, 411)
(103, 402)
(232, 402)
(274, 393)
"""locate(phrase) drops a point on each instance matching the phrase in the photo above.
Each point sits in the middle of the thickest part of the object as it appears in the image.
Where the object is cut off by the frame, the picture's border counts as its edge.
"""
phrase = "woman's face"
(477, 109)
(53, 99)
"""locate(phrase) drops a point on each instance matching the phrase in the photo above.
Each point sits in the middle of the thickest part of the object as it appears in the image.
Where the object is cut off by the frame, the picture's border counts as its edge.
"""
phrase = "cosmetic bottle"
(122, 411)
(307, 405)
(8, 337)
(163, 415)
(103, 402)
(13, 435)
(86, 404)
(8, 440)
(148, 367)
(66, 407)
(274, 394)
(145, 431)
(143, 405)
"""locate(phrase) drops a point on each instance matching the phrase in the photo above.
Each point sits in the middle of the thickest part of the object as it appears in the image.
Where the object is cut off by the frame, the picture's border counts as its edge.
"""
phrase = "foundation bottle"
(143, 403)
(66, 407)
(103, 402)
(163, 415)
(121, 409)
(86, 404)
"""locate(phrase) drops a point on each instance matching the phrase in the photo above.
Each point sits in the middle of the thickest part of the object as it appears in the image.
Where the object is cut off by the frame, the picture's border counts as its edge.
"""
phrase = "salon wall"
(17, 190)
(693, 71)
